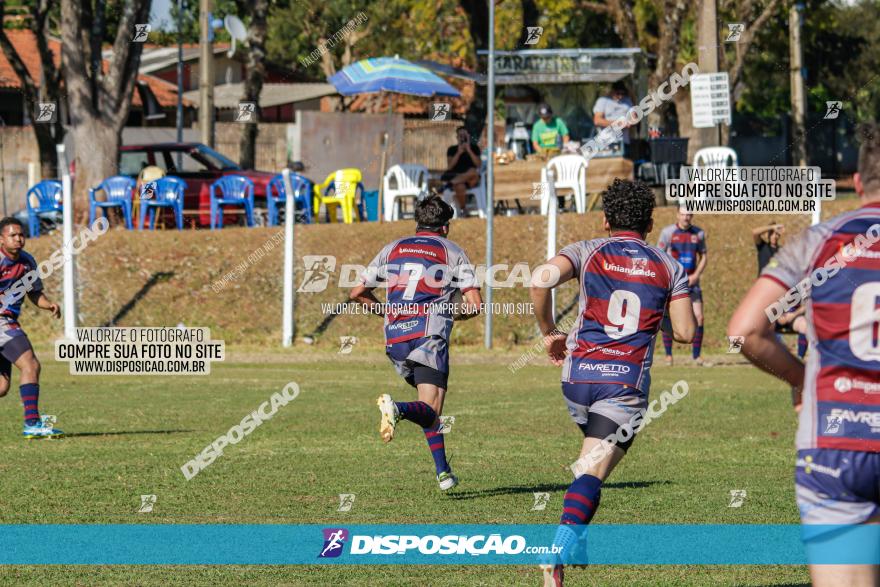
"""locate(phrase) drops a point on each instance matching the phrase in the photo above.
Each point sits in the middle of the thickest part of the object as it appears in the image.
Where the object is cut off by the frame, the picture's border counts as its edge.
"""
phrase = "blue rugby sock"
(438, 449)
(801, 346)
(418, 412)
(30, 396)
(581, 500)
(667, 343)
(697, 344)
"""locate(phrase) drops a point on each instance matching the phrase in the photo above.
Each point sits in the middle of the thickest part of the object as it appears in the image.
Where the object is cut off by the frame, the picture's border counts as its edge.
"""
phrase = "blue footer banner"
(446, 544)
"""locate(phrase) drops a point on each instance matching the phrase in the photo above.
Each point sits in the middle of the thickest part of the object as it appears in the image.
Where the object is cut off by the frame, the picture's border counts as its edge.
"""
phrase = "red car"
(199, 166)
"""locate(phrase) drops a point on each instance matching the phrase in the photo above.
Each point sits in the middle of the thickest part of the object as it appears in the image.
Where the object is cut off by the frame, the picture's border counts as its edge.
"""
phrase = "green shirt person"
(549, 132)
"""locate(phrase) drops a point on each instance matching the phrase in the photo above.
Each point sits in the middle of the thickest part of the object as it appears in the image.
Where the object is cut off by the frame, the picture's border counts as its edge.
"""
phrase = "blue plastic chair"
(276, 196)
(235, 190)
(168, 194)
(48, 194)
(118, 190)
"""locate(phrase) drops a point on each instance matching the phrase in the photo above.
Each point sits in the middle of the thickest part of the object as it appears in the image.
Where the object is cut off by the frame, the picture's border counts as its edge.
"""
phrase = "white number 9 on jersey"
(623, 314)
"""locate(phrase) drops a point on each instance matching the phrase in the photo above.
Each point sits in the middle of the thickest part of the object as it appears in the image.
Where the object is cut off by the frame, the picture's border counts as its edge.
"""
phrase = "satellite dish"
(236, 30)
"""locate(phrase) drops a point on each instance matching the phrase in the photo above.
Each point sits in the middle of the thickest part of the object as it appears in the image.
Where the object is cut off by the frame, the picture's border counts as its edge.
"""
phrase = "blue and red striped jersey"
(841, 393)
(419, 272)
(625, 287)
(11, 272)
(683, 245)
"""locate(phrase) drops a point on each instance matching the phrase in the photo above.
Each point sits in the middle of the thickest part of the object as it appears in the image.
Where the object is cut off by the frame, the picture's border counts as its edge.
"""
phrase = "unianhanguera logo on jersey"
(638, 268)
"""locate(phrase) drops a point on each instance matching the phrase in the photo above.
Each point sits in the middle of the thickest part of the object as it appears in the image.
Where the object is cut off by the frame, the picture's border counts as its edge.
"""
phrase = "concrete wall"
(327, 141)
(18, 148)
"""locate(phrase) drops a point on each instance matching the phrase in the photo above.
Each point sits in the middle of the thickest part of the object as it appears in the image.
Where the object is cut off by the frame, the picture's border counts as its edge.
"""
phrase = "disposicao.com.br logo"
(450, 544)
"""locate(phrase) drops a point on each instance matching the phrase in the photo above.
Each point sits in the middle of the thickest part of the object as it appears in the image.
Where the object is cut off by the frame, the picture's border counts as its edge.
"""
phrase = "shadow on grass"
(547, 487)
(142, 292)
(125, 433)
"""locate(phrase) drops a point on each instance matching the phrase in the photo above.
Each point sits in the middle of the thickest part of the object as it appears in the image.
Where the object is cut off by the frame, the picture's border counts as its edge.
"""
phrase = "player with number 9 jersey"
(625, 288)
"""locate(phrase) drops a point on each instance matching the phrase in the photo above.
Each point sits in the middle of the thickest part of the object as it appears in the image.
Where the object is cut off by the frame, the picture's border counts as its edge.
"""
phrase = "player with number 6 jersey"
(626, 287)
(422, 275)
(835, 265)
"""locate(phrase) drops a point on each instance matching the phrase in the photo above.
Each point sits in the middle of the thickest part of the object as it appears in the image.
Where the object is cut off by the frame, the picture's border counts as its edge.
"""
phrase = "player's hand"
(554, 342)
(691, 280)
(55, 309)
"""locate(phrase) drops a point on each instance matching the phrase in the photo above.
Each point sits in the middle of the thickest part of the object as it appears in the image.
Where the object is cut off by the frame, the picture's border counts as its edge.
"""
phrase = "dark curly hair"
(9, 221)
(628, 205)
(433, 213)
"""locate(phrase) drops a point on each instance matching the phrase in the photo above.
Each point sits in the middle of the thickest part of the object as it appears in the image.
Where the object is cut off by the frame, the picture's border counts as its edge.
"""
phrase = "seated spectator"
(462, 168)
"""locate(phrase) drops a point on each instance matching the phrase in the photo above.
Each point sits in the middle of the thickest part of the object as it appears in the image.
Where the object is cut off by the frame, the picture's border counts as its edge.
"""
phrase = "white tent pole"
(287, 302)
(69, 287)
(551, 225)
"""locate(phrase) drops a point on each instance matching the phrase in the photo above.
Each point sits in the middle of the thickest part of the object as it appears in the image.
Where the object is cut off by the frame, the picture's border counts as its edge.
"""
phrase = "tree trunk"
(97, 149)
(48, 155)
(478, 21)
(255, 72)
(682, 101)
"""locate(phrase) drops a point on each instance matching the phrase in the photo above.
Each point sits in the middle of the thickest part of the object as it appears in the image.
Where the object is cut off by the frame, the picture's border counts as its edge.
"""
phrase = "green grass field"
(512, 436)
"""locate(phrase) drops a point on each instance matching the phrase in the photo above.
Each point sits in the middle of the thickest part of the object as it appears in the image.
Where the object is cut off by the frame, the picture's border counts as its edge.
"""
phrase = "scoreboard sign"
(710, 99)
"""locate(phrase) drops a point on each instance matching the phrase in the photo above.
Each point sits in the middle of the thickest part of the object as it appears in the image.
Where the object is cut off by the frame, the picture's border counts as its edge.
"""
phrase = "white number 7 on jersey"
(414, 274)
(623, 313)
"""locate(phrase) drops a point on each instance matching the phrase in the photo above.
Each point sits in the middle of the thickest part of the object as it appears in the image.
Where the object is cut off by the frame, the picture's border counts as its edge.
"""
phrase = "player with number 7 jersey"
(422, 275)
(625, 288)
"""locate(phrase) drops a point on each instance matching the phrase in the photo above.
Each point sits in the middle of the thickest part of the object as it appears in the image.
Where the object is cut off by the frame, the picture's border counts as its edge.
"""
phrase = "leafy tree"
(99, 97)
(42, 14)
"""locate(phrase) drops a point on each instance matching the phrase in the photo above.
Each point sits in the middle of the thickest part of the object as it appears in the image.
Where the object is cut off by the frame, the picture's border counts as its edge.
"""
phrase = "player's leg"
(697, 344)
(5, 375)
(599, 419)
(430, 360)
(800, 326)
(666, 331)
(845, 575)
(19, 352)
(837, 488)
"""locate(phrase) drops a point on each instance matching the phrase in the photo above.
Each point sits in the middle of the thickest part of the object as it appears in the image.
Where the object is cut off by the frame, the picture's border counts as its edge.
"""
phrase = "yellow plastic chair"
(345, 184)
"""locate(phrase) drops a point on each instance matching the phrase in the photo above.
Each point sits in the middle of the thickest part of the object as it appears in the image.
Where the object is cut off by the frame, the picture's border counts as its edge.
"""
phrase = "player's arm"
(472, 301)
(760, 345)
(681, 316)
(542, 285)
(703, 260)
(364, 295)
(39, 299)
(758, 233)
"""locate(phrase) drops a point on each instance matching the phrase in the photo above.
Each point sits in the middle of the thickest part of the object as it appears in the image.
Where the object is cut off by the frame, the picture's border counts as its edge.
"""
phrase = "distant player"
(15, 348)
(626, 286)
(687, 245)
(837, 474)
(422, 274)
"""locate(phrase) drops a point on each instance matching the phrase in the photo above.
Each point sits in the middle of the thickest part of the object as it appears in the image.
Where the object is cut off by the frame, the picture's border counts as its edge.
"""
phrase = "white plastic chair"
(412, 182)
(714, 157)
(478, 192)
(571, 173)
